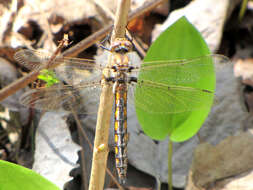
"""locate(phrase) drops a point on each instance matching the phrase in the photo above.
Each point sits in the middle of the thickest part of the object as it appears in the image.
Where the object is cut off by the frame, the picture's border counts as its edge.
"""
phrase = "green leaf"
(179, 41)
(49, 77)
(15, 177)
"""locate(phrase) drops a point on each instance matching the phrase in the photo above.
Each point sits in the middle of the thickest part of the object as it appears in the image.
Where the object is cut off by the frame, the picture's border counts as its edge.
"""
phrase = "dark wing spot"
(208, 91)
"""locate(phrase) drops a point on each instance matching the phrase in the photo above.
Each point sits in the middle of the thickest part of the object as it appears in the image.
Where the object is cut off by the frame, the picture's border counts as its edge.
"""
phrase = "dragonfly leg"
(132, 79)
(101, 44)
(114, 87)
(105, 48)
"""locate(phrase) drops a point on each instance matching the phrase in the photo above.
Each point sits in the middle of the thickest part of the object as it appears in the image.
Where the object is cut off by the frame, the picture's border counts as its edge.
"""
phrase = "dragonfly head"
(121, 46)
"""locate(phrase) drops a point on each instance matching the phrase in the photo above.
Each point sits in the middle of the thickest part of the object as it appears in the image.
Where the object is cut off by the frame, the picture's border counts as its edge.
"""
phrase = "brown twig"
(81, 131)
(121, 18)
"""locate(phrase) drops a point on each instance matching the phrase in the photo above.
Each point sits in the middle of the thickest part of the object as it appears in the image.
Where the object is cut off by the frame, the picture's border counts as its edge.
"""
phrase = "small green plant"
(49, 77)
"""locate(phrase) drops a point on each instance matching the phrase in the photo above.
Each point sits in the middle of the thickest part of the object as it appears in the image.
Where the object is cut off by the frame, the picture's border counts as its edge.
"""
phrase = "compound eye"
(115, 46)
(114, 68)
(129, 45)
(122, 50)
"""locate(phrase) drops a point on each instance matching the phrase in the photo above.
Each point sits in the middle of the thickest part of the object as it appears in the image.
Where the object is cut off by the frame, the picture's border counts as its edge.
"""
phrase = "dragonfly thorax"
(120, 60)
(121, 69)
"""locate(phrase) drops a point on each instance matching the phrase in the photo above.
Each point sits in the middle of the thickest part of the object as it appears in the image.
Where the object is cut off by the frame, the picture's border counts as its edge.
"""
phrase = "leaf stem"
(170, 153)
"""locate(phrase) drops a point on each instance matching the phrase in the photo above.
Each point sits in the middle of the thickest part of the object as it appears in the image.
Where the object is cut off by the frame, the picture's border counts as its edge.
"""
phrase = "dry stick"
(75, 50)
(81, 131)
(120, 23)
(100, 152)
(84, 171)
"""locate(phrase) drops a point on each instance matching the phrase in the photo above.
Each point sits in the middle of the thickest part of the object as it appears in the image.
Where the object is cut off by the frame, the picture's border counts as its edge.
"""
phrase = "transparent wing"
(179, 72)
(163, 99)
(64, 98)
(35, 60)
(161, 88)
(71, 70)
(82, 77)
(172, 86)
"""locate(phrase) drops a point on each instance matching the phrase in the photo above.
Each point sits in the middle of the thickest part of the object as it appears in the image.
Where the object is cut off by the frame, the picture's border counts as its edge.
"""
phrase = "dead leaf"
(231, 157)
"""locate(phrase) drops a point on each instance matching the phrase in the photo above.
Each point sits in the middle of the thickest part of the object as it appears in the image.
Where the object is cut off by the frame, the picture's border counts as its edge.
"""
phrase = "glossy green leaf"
(15, 177)
(180, 41)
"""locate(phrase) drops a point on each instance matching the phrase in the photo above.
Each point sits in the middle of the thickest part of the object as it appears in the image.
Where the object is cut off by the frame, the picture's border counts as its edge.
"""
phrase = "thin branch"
(81, 131)
(120, 22)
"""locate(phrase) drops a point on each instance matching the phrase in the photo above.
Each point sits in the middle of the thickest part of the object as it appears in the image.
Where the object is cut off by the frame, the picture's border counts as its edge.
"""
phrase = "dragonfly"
(157, 87)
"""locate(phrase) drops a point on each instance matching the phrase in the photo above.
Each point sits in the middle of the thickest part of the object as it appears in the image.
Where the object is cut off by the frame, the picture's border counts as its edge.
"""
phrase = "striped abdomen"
(120, 130)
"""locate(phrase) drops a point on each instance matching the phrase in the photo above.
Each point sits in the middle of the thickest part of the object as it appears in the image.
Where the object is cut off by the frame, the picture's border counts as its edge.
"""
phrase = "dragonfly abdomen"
(120, 131)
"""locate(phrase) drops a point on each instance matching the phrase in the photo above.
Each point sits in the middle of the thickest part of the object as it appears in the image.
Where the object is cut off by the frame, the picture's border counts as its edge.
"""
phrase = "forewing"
(33, 60)
(69, 70)
(175, 86)
(180, 72)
